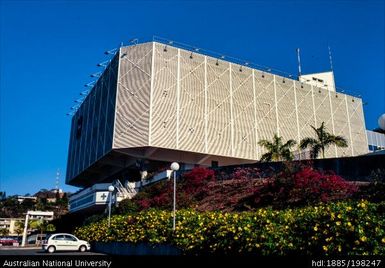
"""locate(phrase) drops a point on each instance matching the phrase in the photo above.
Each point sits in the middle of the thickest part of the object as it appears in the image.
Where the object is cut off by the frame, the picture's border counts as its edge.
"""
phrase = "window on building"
(79, 126)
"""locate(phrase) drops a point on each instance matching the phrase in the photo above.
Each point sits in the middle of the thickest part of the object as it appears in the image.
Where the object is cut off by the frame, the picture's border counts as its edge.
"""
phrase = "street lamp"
(175, 168)
(110, 189)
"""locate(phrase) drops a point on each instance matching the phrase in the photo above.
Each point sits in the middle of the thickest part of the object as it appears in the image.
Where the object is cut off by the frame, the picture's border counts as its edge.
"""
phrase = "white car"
(62, 241)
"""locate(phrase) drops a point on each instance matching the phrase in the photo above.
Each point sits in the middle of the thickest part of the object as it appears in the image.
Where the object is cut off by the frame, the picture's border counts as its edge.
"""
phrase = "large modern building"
(156, 103)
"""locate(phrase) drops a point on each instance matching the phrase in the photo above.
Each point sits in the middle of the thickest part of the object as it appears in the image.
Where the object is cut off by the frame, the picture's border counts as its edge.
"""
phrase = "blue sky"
(49, 48)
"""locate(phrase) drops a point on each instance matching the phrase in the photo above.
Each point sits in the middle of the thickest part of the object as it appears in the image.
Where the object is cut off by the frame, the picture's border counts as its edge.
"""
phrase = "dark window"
(58, 237)
(70, 238)
(79, 126)
(214, 164)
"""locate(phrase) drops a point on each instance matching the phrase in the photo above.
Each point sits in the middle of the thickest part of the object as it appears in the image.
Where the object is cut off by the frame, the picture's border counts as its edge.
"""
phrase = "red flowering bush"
(303, 187)
(197, 178)
(190, 188)
(245, 173)
(313, 185)
(244, 190)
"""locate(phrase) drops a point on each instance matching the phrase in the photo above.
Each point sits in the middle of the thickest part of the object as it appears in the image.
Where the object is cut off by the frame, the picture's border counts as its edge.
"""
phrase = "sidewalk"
(18, 247)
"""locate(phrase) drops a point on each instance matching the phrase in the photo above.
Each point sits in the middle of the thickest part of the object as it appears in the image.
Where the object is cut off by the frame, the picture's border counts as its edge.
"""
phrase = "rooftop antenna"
(57, 180)
(299, 64)
(331, 66)
(330, 59)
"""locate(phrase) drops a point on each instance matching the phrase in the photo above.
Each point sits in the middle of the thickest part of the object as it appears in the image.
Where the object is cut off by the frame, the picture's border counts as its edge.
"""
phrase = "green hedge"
(353, 228)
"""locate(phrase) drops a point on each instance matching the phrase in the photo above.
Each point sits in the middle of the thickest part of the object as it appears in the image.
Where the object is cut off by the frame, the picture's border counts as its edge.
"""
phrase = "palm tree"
(19, 227)
(4, 231)
(276, 149)
(324, 139)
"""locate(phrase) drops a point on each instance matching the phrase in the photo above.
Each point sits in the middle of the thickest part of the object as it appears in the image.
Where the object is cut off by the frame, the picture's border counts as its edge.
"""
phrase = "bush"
(190, 188)
(313, 186)
(245, 173)
(199, 188)
(126, 206)
(375, 189)
(93, 219)
(343, 228)
(304, 187)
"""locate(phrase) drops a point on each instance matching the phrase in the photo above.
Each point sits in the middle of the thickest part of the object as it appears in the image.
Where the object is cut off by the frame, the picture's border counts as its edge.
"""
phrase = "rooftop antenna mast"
(299, 64)
(331, 67)
(57, 180)
(330, 59)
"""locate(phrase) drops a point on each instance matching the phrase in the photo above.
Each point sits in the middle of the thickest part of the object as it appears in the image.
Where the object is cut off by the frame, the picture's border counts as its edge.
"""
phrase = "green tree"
(42, 225)
(277, 150)
(50, 228)
(4, 231)
(19, 227)
(323, 140)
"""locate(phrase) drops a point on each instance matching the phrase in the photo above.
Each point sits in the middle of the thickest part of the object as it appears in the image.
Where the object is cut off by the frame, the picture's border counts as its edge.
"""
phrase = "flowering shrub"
(303, 187)
(200, 189)
(245, 173)
(313, 186)
(352, 228)
(190, 188)
(375, 189)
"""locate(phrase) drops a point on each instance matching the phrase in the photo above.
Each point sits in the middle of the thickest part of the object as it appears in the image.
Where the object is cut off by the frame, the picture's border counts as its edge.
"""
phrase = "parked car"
(8, 241)
(63, 242)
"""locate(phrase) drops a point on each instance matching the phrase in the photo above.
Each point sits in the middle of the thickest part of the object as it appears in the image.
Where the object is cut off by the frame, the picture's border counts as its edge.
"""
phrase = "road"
(38, 251)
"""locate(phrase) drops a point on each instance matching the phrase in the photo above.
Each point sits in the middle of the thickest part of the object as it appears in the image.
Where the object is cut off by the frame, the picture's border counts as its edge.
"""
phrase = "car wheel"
(51, 249)
(82, 248)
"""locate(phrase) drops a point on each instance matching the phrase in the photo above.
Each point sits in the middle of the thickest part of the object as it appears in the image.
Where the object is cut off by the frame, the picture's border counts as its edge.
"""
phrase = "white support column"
(177, 100)
(350, 130)
(206, 112)
(151, 93)
(255, 116)
(25, 230)
(314, 110)
(296, 111)
(332, 117)
(276, 104)
(231, 111)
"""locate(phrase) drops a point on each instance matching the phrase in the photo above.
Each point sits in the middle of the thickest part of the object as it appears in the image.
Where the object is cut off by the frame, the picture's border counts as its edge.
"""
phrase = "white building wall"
(323, 80)
(132, 111)
(176, 99)
(341, 121)
(376, 140)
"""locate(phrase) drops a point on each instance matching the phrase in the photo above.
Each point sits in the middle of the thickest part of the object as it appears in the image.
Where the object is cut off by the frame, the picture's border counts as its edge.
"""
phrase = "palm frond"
(306, 142)
(340, 141)
(315, 151)
(265, 143)
(267, 157)
(289, 144)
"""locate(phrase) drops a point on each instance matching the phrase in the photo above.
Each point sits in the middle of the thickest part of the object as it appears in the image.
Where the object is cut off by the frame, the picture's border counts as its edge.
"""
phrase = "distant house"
(21, 198)
(50, 196)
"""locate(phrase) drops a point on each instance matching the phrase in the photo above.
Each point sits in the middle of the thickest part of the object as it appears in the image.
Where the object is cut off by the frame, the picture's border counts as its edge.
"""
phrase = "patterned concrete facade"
(177, 99)
(202, 108)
